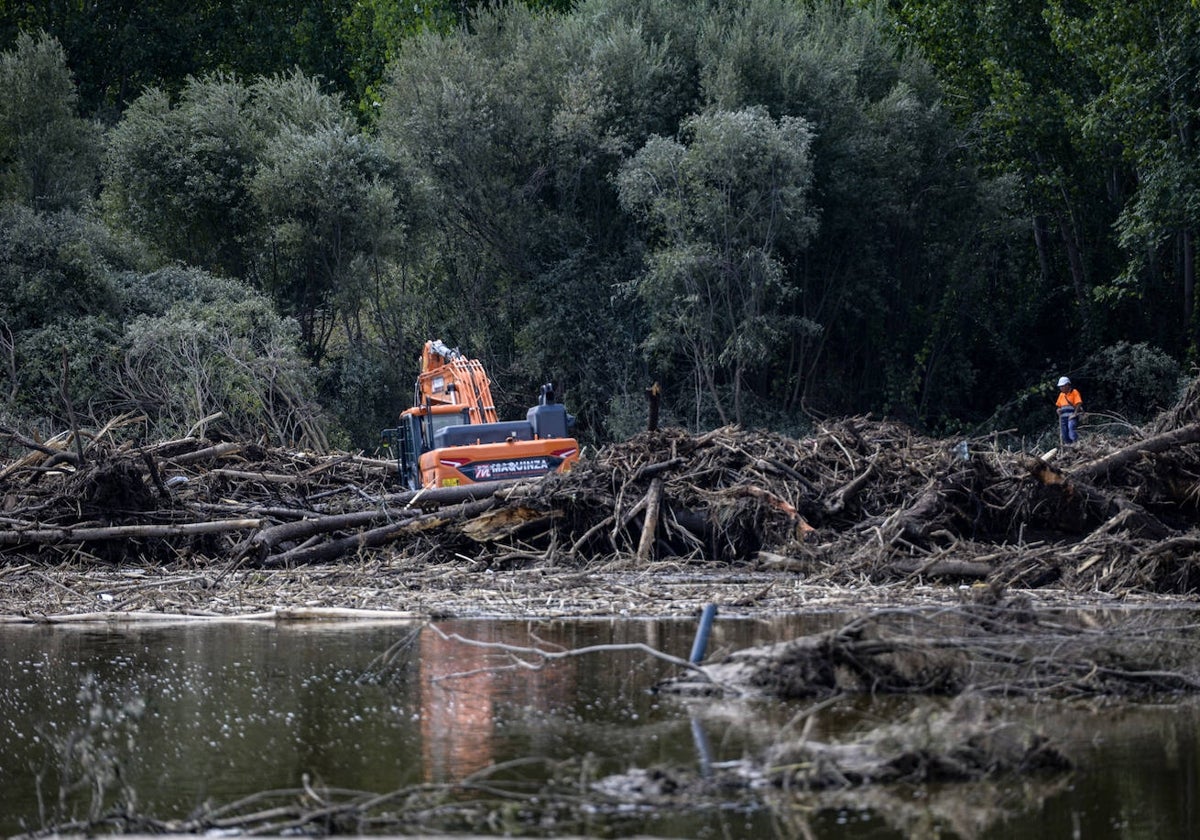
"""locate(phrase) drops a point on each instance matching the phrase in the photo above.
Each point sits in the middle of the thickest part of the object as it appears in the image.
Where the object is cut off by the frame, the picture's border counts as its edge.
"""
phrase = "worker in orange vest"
(1070, 409)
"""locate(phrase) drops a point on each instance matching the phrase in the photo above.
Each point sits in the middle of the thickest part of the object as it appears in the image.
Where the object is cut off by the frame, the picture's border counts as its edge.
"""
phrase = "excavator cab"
(418, 429)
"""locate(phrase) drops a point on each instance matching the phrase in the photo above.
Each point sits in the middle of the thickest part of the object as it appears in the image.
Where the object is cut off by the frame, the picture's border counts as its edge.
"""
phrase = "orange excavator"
(452, 436)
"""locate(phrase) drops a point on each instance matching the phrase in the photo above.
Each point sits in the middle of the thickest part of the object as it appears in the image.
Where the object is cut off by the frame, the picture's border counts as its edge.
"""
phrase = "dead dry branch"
(857, 502)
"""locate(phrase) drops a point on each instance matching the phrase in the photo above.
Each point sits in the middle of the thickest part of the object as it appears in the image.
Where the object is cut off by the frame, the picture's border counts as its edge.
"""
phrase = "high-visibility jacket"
(1072, 399)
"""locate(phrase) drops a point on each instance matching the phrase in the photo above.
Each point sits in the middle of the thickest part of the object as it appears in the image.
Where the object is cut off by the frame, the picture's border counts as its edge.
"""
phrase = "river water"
(200, 715)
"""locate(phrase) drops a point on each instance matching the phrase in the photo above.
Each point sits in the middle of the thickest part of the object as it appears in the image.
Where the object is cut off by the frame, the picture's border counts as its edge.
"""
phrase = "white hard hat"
(1062, 380)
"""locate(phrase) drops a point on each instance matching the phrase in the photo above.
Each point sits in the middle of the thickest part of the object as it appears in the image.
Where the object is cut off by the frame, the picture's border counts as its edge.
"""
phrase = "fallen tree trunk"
(448, 495)
(836, 502)
(1095, 504)
(121, 532)
(1128, 455)
(915, 521)
(265, 540)
(942, 568)
(216, 451)
(348, 546)
(29, 443)
(269, 478)
(650, 523)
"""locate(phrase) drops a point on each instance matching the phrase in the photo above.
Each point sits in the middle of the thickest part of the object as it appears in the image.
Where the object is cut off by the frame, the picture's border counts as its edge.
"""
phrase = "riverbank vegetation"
(781, 211)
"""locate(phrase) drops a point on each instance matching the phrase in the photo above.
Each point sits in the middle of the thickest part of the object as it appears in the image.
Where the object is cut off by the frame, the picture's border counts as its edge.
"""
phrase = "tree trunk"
(1075, 261)
(1159, 443)
(707, 372)
(1041, 239)
(1189, 277)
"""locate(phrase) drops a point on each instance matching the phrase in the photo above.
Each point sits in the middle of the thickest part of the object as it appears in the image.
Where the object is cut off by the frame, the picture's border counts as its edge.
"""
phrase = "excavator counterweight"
(452, 436)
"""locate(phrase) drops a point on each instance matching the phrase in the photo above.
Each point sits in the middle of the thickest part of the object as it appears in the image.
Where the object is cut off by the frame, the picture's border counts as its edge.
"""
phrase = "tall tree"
(271, 183)
(57, 307)
(1014, 90)
(897, 202)
(519, 127)
(1146, 56)
(48, 155)
(516, 128)
(120, 48)
(329, 217)
(178, 173)
(723, 202)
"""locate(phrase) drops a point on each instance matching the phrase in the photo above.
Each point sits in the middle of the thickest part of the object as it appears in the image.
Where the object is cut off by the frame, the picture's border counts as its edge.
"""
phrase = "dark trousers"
(1066, 425)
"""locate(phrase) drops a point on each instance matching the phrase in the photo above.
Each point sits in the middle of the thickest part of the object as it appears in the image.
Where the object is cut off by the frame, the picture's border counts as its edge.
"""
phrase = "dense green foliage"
(726, 207)
(1093, 107)
(47, 152)
(118, 48)
(779, 209)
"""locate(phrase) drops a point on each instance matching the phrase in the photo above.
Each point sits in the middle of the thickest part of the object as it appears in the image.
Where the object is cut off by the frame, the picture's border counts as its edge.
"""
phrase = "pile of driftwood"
(856, 500)
(988, 646)
(966, 742)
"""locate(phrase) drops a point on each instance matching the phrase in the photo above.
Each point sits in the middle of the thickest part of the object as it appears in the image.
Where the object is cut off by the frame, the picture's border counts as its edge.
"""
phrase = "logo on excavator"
(493, 470)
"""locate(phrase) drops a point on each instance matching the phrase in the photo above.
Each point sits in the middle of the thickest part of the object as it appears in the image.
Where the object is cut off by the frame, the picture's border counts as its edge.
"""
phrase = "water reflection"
(463, 689)
(231, 710)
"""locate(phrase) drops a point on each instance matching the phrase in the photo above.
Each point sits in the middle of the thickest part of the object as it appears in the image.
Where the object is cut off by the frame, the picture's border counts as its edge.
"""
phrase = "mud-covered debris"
(1001, 648)
(963, 743)
(855, 501)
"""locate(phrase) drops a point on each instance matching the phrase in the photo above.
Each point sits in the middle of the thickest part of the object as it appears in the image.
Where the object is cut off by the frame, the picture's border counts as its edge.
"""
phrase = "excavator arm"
(449, 378)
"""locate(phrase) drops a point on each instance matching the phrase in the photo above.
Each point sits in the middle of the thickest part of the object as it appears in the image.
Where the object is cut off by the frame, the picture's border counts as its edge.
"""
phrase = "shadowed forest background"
(781, 210)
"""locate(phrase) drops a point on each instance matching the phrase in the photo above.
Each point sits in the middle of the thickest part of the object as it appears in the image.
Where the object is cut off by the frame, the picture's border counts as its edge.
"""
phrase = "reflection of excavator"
(452, 436)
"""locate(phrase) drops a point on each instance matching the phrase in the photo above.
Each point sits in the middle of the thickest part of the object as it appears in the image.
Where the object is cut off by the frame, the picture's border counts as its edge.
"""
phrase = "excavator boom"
(449, 378)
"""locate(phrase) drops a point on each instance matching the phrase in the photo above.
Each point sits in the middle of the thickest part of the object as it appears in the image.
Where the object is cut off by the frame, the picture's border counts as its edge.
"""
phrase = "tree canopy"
(778, 209)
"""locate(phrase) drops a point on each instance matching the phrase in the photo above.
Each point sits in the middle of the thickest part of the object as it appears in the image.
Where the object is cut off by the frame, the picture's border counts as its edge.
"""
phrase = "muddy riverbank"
(64, 593)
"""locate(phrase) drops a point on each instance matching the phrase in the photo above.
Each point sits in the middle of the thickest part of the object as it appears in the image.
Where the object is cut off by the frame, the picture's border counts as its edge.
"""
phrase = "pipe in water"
(700, 645)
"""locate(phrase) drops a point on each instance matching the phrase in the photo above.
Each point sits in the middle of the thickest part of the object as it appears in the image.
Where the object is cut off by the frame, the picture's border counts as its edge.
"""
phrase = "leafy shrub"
(233, 357)
(54, 266)
(1133, 381)
(86, 345)
(56, 298)
(157, 292)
